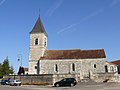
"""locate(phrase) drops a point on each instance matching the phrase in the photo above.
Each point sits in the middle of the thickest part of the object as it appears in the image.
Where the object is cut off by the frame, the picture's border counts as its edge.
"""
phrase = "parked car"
(66, 82)
(5, 82)
(15, 83)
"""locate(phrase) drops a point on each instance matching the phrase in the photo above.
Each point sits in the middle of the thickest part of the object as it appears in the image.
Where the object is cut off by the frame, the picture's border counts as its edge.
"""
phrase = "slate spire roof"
(38, 27)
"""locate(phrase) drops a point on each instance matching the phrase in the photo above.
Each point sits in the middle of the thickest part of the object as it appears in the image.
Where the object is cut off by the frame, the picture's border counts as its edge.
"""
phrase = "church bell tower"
(38, 45)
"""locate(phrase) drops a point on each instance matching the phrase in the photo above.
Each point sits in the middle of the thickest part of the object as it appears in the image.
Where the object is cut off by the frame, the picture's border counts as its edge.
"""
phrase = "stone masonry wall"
(104, 77)
(36, 51)
(32, 65)
(42, 79)
(33, 79)
(84, 67)
(51, 79)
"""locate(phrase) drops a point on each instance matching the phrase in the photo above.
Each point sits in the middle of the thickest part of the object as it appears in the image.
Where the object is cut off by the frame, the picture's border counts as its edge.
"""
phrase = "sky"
(70, 24)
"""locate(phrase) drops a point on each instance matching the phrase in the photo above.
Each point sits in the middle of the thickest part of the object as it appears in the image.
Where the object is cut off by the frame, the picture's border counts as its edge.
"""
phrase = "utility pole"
(20, 60)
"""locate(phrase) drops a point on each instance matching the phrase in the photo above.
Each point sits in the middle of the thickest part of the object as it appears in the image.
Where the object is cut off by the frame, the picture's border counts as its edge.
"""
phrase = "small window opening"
(35, 67)
(106, 68)
(36, 41)
(56, 67)
(111, 68)
(73, 67)
(45, 44)
(94, 65)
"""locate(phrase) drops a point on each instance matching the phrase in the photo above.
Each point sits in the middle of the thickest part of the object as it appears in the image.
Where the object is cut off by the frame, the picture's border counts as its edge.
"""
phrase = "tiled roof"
(73, 54)
(117, 62)
(38, 27)
(110, 63)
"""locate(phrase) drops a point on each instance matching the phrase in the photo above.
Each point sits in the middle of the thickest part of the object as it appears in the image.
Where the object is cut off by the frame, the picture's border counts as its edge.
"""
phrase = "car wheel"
(20, 84)
(57, 85)
(71, 84)
(15, 84)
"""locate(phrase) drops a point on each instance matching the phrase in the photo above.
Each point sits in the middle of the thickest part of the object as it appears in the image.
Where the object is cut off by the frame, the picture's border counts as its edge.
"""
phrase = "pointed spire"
(38, 27)
(39, 12)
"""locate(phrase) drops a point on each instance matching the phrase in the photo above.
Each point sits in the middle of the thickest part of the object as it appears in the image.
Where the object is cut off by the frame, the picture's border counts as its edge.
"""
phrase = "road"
(102, 86)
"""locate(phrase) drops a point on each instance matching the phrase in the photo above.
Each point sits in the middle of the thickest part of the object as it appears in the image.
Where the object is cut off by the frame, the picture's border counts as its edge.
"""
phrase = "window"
(94, 65)
(45, 44)
(35, 67)
(111, 68)
(73, 67)
(36, 41)
(106, 68)
(56, 68)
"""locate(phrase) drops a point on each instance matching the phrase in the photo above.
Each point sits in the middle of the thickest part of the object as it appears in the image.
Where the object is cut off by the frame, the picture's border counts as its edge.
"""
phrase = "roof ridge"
(93, 49)
(64, 50)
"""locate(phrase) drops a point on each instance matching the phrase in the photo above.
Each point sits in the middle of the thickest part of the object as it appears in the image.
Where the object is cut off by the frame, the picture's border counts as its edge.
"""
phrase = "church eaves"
(38, 27)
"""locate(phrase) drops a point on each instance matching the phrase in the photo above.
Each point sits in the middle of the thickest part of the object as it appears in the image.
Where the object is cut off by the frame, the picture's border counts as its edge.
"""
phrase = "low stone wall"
(51, 79)
(33, 79)
(103, 77)
(42, 79)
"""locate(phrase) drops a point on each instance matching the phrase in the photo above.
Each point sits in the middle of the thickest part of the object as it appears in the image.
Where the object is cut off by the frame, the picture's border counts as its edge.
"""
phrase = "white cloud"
(95, 13)
(66, 28)
(115, 2)
(82, 20)
(55, 6)
(2, 2)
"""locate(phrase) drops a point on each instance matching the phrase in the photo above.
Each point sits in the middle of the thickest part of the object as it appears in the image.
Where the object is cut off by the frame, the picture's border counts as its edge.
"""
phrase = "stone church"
(74, 61)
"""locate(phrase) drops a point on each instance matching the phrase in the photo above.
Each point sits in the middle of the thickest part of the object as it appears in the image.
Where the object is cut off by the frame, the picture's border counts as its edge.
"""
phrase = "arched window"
(111, 68)
(94, 66)
(106, 68)
(36, 41)
(56, 68)
(45, 43)
(73, 67)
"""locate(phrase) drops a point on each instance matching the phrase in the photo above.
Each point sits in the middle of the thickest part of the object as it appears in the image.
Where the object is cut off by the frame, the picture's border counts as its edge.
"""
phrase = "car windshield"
(63, 79)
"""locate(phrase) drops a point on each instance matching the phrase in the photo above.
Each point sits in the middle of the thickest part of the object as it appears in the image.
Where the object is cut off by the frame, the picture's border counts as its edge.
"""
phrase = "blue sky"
(70, 24)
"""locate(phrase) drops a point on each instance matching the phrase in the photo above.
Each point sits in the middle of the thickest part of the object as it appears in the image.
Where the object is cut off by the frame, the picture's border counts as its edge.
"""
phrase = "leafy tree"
(5, 68)
(1, 70)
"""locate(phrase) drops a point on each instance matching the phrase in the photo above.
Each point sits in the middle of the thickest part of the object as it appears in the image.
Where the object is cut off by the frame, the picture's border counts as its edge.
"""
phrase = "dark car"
(66, 82)
(5, 82)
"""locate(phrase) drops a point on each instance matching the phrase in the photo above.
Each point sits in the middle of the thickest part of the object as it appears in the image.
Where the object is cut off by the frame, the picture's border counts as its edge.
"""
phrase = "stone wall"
(32, 67)
(33, 79)
(42, 79)
(51, 79)
(104, 77)
(36, 51)
(83, 67)
(111, 68)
